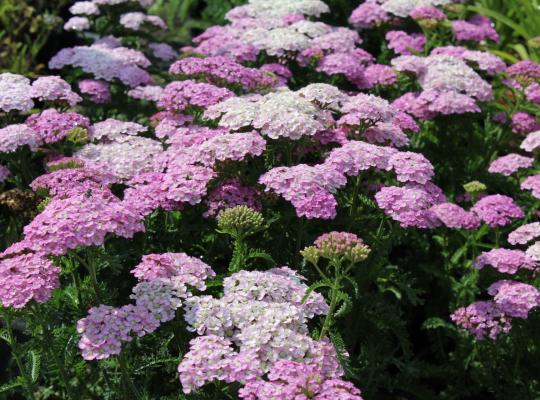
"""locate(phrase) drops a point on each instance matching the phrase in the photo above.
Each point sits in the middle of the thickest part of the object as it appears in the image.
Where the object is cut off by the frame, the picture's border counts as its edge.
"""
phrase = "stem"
(77, 283)
(333, 303)
(354, 204)
(497, 237)
(48, 348)
(240, 251)
(91, 268)
(126, 378)
(29, 386)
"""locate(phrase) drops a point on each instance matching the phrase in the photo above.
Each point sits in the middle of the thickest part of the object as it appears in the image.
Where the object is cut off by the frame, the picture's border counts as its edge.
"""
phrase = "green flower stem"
(90, 266)
(240, 252)
(126, 378)
(47, 347)
(354, 204)
(333, 303)
(29, 386)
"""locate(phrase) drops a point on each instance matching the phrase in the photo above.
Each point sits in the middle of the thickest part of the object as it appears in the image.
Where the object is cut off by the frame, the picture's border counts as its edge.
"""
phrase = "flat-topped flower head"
(509, 164)
(497, 210)
(524, 233)
(484, 319)
(506, 261)
(14, 137)
(515, 299)
(27, 277)
(52, 125)
(54, 88)
(455, 217)
(180, 95)
(15, 93)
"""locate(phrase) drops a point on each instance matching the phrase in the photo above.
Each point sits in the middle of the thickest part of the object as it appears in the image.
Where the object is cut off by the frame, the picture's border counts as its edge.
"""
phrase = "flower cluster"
(263, 315)
(165, 280)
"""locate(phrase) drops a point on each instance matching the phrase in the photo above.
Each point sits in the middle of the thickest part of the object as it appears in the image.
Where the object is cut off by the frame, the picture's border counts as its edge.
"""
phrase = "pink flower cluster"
(506, 261)
(79, 221)
(52, 126)
(263, 316)
(507, 165)
(229, 194)
(222, 70)
(106, 61)
(164, 281)
(26, 277)
(294, 380)
(181, 95)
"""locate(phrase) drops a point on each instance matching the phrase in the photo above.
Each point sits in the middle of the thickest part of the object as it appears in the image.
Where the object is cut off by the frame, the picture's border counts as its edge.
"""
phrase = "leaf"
(315, 286)
(435, 323)
(35, 365)
(263, 255)
(346, 304)
(11, 385)
(4, 334)
(502, 19)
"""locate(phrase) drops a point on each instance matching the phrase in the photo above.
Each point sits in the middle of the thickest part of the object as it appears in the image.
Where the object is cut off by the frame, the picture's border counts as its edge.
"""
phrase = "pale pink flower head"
(497, 210)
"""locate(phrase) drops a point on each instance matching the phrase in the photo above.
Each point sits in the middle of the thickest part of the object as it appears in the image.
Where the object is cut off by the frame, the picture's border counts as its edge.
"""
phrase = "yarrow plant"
(310, 200)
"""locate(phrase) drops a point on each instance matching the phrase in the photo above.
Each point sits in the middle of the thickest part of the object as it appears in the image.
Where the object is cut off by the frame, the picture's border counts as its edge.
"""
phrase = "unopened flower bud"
(240, 221)
(311, 254)
(77, 135)
(358, 253)
(474, 188)
(337, 245)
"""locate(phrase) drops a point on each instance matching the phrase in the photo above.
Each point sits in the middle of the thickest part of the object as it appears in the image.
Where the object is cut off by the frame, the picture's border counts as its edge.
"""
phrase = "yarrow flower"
(532, 183)
(531, 142)
(135, 20)
(478, 28)
(106, 62)
(150, 93)
(411, 205)
(263, 314)
(165, 280)
(68, 182)
(505, 260)
(77, 24)
(180, 95)
(497, 210)
(524, 123)
(294, 380)
(79, 221)
(84, 8)
(229, 194)
(52, 126)
(222, 70)
(403, 43)
(15, 93)
(455, 217)
(27, 277)
(484, 319)
(510, 163)
(13, 137)
(163, 51)
(524, 233)
(515, 299)
(51, 88)
(126, 157)
(99, 91)
(114, 130)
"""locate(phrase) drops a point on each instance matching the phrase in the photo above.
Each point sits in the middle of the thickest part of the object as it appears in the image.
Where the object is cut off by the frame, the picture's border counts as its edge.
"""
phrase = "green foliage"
(26, 27)
(518, 22)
